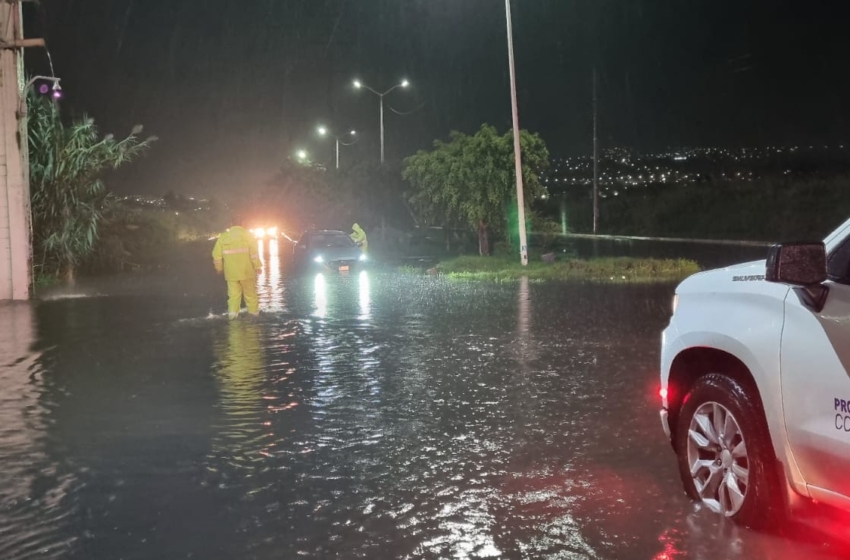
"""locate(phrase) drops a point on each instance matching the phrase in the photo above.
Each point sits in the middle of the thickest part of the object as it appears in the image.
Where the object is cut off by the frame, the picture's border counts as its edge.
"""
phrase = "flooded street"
(377, 415)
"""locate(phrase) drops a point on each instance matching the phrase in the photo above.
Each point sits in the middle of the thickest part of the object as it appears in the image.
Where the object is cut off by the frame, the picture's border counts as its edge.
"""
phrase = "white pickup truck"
(755, 382)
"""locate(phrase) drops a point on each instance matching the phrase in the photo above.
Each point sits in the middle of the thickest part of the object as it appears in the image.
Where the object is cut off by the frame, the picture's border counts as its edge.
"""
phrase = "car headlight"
(362, 258)
(675, 302)
(319, 259)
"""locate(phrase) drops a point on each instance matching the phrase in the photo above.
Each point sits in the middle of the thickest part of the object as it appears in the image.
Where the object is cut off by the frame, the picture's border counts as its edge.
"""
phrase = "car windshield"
(330, 241)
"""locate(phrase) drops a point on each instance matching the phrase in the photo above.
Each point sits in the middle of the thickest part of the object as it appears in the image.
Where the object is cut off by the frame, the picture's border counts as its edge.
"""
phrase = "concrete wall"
(15, 225)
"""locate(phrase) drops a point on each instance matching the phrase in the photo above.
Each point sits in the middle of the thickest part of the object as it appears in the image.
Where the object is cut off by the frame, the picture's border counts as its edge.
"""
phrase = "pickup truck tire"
(726, 460)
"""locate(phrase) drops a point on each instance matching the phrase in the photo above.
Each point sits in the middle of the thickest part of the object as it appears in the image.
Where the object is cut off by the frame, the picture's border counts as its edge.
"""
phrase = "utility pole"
(360, 85)
(595, 151)
(382, 128)
(520, 197)
(15, 214)
(323, 131)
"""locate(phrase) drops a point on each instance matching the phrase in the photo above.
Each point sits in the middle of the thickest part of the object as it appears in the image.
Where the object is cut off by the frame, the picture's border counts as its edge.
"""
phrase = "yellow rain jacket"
(359, 237)
(237, 254)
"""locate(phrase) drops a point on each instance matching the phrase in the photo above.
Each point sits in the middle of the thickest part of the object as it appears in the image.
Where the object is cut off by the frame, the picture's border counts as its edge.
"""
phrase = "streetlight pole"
(520, 197)
(360, 85)
(382, 130)
(323, 131)
(595, 152)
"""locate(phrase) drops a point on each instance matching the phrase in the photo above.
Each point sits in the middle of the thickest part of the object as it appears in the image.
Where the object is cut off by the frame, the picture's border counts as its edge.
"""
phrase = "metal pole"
(337, 153)
(595, 153)
(520, 197)
(382, 128)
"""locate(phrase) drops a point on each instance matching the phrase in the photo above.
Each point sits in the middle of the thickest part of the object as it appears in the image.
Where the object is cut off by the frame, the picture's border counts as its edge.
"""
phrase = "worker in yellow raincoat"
(236, 255)
(359, 237)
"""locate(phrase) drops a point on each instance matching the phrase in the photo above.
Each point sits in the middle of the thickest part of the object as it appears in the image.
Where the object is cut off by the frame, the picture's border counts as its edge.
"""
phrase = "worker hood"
(357, 228)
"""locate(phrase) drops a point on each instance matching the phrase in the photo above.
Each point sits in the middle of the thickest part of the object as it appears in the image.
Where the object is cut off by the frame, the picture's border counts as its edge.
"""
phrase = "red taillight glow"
(663, 392)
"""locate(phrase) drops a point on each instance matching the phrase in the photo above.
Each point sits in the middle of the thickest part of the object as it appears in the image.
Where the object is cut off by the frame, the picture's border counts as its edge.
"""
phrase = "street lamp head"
(354, 133)
(405, 83)
(322, 130)
(358, 84)
(302, 154)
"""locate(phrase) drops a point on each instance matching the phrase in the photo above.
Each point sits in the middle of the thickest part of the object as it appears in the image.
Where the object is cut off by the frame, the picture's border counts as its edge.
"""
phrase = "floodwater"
(370, 416)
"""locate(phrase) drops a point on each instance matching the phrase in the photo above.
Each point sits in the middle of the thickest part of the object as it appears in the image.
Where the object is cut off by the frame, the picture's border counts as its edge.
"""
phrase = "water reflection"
(270, 287)
(365, 296)
(321, 296)
(33, 517)
(418, 418)
(240, 373)
(523, 311)
(276, 288)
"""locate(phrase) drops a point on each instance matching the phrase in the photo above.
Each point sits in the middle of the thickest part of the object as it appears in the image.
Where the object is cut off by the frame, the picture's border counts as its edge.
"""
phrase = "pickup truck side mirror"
(802, 265)
(798, 264)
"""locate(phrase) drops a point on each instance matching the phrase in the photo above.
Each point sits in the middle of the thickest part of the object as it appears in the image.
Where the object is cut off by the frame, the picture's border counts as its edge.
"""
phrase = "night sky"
(233, 87)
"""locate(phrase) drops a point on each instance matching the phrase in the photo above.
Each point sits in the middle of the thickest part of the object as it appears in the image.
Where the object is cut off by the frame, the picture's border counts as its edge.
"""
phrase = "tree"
(471, 180)
(69, 199)
(300, 197)
(374, 193)
(303, 196)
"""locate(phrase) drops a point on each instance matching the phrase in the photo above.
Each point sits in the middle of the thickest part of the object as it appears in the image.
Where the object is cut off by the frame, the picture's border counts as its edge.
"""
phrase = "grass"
(617, 269)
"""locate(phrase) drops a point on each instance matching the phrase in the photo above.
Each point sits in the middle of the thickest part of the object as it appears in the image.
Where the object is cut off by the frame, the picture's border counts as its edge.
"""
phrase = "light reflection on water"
(270, 288)
(370, 416)
(33, 491)
(321, 290)
(365, 296)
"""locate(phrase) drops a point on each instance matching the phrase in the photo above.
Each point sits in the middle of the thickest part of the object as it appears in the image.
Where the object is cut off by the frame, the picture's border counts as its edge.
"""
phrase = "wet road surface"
(371, 416)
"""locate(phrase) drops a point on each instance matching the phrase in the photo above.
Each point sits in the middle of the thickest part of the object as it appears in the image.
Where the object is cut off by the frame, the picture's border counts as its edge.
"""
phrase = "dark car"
(327, 249)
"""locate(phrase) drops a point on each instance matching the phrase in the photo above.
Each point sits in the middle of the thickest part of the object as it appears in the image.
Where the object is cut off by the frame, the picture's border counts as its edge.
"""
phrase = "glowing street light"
(323, 131)
(55, 91)
(301, 155)
(360, 85)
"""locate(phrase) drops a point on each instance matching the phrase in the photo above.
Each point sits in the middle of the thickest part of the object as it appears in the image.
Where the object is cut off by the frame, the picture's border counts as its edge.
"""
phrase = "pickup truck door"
(815, 370)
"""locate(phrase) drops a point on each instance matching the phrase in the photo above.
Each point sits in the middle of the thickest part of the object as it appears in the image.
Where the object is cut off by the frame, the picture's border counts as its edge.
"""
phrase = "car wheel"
(726, 459)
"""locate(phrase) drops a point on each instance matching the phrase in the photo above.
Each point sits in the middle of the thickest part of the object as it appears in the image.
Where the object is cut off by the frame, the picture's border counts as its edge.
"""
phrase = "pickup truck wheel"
(725, 455)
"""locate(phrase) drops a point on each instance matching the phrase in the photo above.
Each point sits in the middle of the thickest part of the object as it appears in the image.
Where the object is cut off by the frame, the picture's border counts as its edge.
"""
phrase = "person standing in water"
(359, 237)
(236, 255)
